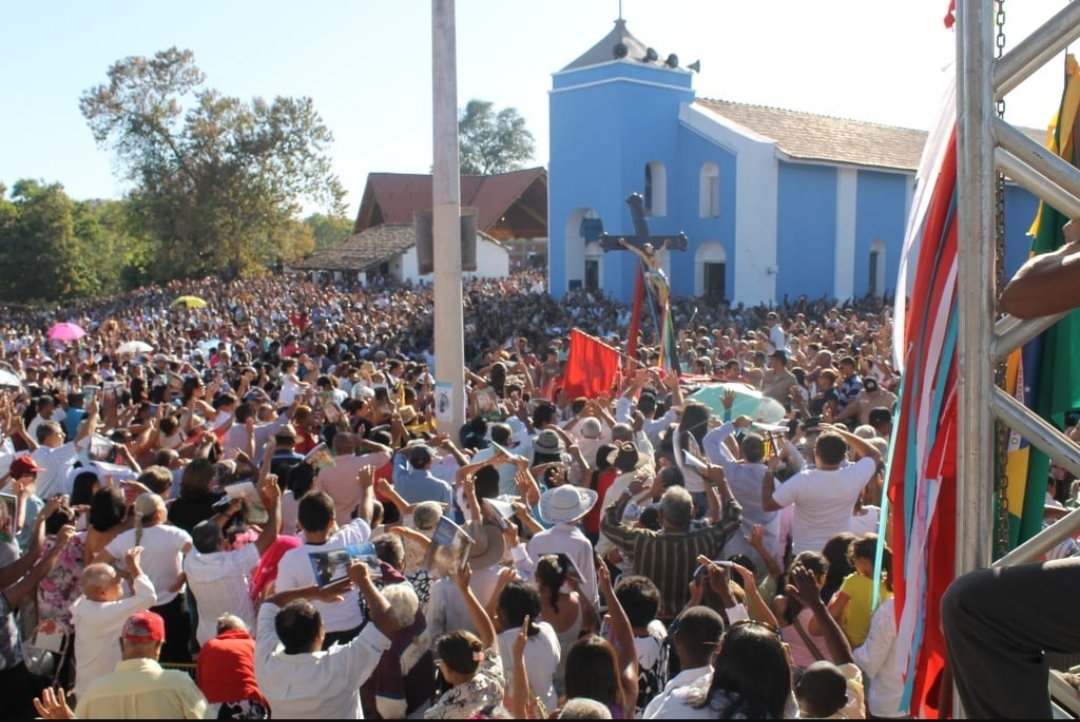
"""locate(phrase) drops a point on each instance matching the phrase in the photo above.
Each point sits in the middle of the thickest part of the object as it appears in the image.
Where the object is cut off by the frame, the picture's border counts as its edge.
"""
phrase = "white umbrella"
(134, 347)
(7, 378)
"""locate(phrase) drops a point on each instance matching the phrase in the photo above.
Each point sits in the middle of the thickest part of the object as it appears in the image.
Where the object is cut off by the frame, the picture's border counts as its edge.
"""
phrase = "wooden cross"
(641, 237)
(608, 242)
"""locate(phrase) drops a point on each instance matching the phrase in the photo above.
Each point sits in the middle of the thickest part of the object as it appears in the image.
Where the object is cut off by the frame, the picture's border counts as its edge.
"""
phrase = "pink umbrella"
(66, 332)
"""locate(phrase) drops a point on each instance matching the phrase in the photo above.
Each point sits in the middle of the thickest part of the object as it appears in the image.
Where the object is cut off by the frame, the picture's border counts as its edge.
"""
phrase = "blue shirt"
(418, 485)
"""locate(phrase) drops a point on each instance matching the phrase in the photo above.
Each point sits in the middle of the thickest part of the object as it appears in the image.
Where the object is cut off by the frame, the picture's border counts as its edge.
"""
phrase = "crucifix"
(645, 248)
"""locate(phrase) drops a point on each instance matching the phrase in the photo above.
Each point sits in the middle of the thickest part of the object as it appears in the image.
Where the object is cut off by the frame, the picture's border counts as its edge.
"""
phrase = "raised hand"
(270, 489)
(803, 586)
(522, 638)
(131, 558)
(336, 592)
(65, 535)
(365, 476)
(603, 577)
(53, 704)
(463, 577)
(756, 537)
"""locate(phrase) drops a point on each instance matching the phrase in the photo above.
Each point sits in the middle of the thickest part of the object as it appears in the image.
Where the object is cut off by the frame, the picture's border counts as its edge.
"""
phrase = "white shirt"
(164, 547)
(866, 523)
(317, 685)
(295, 572)
(569, 540)
(446, 610)
(745, 481)
(220, 582)
(777, 337)
(290, 386)
(823, 502)
(681, 694)
(97, 627)
(542, 654)
(55, 463)
(877, 659)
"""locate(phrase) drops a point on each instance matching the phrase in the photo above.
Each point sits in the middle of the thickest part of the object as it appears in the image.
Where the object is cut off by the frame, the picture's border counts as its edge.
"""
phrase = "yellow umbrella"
(190, 302)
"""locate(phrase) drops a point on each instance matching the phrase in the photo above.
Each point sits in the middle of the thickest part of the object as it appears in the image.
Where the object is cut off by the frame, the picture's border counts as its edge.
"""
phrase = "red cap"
(24, 464)
(143, 628)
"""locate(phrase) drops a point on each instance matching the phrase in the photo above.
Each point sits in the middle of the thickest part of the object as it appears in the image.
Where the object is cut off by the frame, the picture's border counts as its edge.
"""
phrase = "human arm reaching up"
(1047, 284)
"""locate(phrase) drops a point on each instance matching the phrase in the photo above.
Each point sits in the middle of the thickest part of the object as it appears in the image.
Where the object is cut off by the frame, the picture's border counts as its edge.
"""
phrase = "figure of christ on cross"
(642, 245)
(654, 274)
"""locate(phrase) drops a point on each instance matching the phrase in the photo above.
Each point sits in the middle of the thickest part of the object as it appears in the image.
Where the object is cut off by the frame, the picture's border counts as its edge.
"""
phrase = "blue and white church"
(774, 202)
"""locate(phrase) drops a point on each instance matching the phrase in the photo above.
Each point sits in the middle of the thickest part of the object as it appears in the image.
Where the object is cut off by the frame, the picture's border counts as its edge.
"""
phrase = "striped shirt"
(669, 557)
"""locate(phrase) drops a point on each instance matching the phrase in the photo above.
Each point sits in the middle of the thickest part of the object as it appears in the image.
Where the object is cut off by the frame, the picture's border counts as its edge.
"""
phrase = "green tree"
(328, 230)
(491, 142)
(217, 183)
(43, 256)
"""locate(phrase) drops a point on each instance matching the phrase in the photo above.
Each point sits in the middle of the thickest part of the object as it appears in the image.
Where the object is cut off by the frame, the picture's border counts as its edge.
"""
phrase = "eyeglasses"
(764, 625)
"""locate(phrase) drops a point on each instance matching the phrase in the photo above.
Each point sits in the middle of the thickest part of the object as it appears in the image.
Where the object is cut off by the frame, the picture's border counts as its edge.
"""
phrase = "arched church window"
(709, 191)
(655, 188)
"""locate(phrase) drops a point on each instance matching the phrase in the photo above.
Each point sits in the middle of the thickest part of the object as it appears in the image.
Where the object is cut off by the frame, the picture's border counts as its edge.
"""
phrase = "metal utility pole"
(975, 288)
(446, 211)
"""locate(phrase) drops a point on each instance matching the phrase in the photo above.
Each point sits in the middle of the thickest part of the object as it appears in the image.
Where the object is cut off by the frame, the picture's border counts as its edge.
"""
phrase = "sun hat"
(565, 504)
(626, 457)
(548, 442)
(286, 433)
(488, 544)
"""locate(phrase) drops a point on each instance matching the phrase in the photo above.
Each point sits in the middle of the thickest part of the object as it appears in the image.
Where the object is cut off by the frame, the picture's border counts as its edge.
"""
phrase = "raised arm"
(804, 588)
(1048, 283)
(271, 494)
(479, 617)
(622, 636)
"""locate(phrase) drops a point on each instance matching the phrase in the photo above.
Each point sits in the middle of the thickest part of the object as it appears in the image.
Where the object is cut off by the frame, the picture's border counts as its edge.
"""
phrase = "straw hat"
(566, 503)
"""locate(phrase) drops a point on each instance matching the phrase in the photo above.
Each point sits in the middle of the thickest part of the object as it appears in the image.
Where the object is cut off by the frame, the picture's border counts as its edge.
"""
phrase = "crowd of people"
(244, 506)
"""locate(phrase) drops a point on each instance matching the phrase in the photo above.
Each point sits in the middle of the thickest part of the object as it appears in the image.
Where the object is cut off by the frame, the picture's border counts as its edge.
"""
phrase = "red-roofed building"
(511, 225)
(511, 205)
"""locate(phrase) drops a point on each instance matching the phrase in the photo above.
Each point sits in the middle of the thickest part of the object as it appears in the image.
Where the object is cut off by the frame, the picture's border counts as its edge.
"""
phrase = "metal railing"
(986, 144)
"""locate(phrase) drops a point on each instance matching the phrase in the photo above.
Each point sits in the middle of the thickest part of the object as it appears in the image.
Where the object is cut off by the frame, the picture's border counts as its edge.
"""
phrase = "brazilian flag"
(1055, 385)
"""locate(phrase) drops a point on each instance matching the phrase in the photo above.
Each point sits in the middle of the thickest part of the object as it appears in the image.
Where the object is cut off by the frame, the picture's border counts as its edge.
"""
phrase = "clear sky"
(367, 65)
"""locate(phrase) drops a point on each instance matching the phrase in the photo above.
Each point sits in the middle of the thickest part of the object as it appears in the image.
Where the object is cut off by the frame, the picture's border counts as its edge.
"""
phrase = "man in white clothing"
(54, 457)
(218, 576)
(563, 507)
(825, 495)
(315, 516)
(697, 638)
(301, 679)
(98, 616)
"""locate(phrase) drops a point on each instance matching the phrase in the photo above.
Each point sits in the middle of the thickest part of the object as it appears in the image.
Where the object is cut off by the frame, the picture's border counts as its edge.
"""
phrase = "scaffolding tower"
(987, 145)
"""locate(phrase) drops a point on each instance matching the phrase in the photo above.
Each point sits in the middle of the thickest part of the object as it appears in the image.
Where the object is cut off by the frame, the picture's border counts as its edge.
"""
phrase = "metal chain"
(1002, 431)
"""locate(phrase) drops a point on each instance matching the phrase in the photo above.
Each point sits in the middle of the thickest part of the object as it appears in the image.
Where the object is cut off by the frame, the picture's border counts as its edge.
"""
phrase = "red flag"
(591, 366)
(950, 17)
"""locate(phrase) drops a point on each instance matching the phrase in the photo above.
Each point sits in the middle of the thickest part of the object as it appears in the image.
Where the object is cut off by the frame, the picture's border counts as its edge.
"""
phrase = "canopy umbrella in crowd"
(134, 347)
(748, 402)
(66, 332)
(9, 379)
(189, 302)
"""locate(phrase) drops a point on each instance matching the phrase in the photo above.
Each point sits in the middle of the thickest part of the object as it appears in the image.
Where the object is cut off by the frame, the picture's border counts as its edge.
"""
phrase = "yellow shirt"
(141, 689)
(857, 613)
